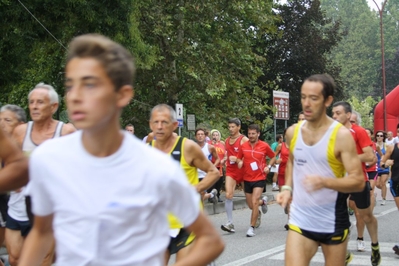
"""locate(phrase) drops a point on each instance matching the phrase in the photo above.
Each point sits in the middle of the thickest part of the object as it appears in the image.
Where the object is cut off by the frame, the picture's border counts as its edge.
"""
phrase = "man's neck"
(103, 142)
(253, 143)
(235, 135)
(348, 125)
(167, 144)
(315, 125)
(44, 125)
(201, 144)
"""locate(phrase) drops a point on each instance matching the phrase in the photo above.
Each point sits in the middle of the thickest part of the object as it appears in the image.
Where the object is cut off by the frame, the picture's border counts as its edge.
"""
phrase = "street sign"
(191, 122)
(179, 111)
(281, 101)
(180, 122)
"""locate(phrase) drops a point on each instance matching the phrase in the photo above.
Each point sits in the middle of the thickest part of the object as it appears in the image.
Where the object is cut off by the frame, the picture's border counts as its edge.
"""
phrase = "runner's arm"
(368, 155)
(38, 241)
(345, 151)
(285, 195)
(208, 244)
(198, 160)
(385, 159)
(14, 174)
(215, 155)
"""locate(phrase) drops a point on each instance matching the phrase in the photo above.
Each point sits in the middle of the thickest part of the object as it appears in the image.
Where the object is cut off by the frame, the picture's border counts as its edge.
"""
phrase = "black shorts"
(362, 199)
(372, 175)
(385, 172)
(324, 238)
(3, 209)
(182, 240)
(23, 226)
(394, 188)
(249, 186)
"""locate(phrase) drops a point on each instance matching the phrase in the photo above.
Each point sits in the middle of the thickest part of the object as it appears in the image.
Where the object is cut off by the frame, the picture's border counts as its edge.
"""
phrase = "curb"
(239, 202)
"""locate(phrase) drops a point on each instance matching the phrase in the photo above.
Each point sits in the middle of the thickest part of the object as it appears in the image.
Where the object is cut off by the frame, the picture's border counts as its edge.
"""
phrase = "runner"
(316, 170)
(391, 159)
(163, 123)
(252, 158)
(43, 103)
(10, 117)
(221, 151)
(383, 173)
(103, 193)
(210, 152)
(234, 175)
(361, 202)
(274, 169)
(130, 128)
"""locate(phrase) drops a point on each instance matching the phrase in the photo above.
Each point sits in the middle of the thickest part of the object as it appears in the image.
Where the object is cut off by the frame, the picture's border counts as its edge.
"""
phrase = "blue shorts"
(394, 188)
(23, 226)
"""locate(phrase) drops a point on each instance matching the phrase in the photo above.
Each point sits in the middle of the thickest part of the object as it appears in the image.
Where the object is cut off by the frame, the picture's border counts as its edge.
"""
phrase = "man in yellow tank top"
(163, 123)
(315, 177)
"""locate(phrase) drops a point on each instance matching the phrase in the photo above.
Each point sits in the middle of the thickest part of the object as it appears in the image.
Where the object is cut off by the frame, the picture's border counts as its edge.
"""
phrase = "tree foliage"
(359, 53)
(365, 108)
(299, 49)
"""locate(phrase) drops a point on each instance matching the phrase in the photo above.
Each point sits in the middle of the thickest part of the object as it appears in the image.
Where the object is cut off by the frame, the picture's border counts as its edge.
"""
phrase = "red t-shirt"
(232, 150)
(220, 150)
(373, 168)
(255, 160)
(284, 154)
(362, 140)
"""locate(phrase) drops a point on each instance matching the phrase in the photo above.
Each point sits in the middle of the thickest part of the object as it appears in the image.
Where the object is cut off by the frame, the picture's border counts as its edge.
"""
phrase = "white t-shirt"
(112, 210)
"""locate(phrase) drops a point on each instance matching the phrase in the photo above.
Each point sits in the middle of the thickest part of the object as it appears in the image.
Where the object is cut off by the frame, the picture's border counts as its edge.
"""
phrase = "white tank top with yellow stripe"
(324, 210)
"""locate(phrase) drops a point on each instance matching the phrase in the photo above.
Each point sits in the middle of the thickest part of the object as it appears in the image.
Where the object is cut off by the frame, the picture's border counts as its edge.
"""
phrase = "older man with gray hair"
(356, 118)
(43, 103)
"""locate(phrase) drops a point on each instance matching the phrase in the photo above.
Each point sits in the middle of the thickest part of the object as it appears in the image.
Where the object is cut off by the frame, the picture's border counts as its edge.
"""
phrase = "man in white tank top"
(209, 151)
(43, 103)
(315, 177)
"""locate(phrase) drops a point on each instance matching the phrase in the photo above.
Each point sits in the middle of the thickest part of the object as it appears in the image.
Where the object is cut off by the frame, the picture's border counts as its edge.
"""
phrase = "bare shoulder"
(244, 139)
(191, 146)
(192, 152)
(343, 132)
(346, 141)
(67, 129)
(290, 131)
(19, 133)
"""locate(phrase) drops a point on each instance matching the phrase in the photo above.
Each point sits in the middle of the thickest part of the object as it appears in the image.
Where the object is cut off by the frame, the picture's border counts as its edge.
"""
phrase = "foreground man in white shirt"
(98, 189)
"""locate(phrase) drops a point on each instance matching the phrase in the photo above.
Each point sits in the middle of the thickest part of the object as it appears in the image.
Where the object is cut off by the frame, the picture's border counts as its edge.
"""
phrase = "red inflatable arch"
(392, 103)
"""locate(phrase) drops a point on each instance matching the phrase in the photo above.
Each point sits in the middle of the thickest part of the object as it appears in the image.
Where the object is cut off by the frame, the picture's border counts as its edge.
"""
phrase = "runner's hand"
(313, 183)
(389, 163)
(283, 198)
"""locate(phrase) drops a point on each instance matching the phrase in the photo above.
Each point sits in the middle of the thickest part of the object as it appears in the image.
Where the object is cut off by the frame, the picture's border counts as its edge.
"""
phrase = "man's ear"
(54, 107)
(125, 95)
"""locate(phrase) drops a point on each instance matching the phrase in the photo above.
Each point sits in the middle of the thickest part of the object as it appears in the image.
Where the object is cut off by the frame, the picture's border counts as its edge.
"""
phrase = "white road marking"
(256, 256)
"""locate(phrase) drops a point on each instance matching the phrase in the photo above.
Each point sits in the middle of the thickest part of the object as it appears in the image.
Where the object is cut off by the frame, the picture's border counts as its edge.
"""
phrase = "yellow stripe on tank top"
(336, 166)
(295, 137)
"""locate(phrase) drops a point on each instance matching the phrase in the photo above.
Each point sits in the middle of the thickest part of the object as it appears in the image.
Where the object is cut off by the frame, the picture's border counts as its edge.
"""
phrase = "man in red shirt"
(342, 112)
(233, 173)
(252, 158)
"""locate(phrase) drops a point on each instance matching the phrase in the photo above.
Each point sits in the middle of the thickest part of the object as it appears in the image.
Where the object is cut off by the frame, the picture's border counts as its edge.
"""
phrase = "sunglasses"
(380, 135)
